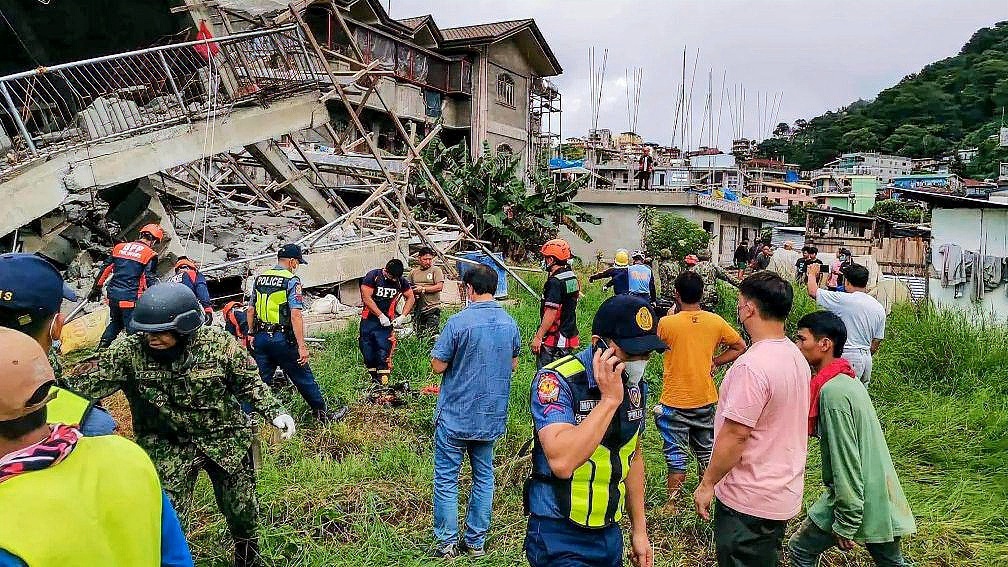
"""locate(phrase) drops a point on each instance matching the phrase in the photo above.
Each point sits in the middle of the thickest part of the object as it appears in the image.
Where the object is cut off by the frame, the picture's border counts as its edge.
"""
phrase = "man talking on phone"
(588, 410)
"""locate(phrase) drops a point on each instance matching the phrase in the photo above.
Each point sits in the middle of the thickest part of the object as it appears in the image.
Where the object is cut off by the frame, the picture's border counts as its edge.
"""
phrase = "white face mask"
(635, 371)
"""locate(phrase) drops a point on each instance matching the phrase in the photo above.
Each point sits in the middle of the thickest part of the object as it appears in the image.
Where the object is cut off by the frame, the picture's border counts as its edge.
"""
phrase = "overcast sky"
(820, 54)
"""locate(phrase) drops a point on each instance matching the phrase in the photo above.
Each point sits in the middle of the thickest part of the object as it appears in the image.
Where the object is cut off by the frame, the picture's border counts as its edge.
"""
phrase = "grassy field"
(359, 493)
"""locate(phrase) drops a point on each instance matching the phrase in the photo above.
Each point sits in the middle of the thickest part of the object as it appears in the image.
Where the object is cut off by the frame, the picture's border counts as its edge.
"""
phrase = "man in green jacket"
(864, 502)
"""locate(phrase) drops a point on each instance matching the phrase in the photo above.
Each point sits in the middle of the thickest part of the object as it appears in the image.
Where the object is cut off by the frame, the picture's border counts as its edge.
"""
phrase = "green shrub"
(679, 234)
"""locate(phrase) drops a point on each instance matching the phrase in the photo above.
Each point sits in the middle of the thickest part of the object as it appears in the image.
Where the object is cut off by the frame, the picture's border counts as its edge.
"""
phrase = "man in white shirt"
(862, 314)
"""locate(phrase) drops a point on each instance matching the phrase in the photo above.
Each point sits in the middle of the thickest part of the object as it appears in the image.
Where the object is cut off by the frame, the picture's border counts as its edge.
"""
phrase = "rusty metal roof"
(484, 32)
(415, 22)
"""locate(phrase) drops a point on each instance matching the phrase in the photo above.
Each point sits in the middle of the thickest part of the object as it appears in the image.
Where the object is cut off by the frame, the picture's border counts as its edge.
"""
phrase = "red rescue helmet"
(557, 248)
(153, 231)
(184, 262)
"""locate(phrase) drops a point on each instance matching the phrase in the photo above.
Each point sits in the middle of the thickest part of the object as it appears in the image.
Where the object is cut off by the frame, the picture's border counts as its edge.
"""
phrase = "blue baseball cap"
(31, 286)
(630, 322)
(291, 251)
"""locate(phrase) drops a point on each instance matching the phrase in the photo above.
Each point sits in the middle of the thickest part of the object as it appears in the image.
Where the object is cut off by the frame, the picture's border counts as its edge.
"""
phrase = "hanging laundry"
(977, 283)
(992, 273)
(952, 266)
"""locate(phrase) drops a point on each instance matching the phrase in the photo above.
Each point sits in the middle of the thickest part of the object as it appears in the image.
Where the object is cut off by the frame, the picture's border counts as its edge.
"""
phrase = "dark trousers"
(235, 492)
(119, 320)
(561, 543)
(376, 343)
(273, 349)
(643, 180)
(426, 323)
(810, 541)
(741, 540)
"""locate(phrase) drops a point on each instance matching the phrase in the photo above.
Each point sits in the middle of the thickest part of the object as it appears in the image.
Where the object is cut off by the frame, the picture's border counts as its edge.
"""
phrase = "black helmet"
(167, 307)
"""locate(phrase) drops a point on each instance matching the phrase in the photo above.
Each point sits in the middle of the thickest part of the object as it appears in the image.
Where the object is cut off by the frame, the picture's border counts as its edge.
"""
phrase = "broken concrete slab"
(34, 189)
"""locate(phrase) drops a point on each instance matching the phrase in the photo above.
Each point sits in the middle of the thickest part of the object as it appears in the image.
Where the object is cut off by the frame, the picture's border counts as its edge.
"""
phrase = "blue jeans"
(550, 542)
(119, 320)
(448, 455)
(272, 350)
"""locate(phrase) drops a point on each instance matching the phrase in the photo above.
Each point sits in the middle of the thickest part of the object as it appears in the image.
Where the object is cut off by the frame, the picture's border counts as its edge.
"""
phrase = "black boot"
(247, 553)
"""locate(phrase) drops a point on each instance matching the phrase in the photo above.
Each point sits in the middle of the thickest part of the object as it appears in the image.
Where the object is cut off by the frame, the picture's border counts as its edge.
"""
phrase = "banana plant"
(491, 195)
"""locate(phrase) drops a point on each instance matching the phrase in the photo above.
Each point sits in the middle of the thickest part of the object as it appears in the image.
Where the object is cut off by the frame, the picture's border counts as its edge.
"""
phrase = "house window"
(709, 227)
(505, 89)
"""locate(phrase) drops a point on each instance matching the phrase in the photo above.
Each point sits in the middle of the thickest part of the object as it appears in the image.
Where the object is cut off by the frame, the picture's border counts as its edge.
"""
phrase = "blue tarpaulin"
(561, 163)
(792, 177)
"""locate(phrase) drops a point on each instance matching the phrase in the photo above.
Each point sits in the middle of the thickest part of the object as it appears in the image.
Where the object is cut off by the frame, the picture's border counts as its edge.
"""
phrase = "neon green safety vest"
(67, 407)
(271, 297)
(99, 506)
(595, 494)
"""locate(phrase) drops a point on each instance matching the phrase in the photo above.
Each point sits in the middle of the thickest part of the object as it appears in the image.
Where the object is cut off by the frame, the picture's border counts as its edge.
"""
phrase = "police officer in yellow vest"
(31, 292)
(588, 469)
(277, 329)
(69, 499)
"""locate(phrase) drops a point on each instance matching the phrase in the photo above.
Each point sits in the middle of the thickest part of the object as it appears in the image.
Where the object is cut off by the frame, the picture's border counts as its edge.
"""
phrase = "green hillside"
(954, 103)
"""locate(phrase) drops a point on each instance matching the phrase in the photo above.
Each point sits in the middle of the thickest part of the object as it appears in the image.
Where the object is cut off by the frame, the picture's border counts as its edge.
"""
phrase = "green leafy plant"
(679, 234)
(898, 211)
(491, 195)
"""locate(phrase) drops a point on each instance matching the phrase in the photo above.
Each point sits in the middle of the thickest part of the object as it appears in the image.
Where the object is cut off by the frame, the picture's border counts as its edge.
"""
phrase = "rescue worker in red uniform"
(128, 271)
(236, 323)
(381, 290)
(187, 274)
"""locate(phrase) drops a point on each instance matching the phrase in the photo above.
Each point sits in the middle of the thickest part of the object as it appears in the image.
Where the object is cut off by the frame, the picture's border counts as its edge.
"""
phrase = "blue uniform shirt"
(640, 281)
(551, 406)
(478, 343)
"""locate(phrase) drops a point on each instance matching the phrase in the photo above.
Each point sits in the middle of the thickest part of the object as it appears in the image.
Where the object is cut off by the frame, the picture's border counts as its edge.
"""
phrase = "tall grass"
(358, 493)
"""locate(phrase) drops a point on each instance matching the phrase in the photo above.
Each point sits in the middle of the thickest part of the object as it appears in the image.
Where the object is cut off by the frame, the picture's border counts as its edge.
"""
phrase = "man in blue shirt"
(588, 410)
(639, 278)
(476, 352)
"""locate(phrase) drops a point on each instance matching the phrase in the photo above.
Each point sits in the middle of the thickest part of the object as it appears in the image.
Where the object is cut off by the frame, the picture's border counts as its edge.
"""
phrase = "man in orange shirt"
(685, 416)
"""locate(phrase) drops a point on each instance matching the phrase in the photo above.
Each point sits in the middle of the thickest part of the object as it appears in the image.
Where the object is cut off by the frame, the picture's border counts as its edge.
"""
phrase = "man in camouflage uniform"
(668, 271)
(186, 384)
(710, 273)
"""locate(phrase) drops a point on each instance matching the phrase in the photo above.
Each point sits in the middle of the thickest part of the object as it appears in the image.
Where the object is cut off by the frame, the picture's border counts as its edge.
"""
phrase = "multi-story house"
(481, 83)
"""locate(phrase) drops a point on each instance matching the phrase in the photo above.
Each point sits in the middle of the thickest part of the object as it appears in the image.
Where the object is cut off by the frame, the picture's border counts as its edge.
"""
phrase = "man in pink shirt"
(757, 470)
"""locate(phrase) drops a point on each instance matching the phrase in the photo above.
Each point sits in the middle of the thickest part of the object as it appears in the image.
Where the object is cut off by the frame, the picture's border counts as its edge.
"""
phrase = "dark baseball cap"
(292, 251)
(32, 286)
(630, 322)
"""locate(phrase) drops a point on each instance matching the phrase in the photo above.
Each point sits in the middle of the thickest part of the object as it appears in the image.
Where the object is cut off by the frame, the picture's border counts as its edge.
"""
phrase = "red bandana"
(61, 442)
(830, 371)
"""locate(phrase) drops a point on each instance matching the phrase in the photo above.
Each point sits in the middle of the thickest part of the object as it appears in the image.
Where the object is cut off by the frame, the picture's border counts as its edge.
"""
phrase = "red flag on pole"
(209, 48)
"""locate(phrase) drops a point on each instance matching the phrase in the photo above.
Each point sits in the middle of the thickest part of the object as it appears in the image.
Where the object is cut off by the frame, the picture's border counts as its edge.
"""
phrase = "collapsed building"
(243, 126)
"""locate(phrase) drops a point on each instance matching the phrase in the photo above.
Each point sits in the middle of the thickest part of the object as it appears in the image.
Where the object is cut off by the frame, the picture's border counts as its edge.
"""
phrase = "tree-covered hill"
(951, 104)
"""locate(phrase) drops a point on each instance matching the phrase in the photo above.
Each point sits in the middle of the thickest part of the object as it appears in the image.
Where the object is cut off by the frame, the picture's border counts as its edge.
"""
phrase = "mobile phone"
(601, 345)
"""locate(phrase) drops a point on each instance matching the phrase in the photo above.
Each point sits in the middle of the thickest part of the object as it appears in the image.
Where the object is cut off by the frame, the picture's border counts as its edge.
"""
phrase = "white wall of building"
(983, 231)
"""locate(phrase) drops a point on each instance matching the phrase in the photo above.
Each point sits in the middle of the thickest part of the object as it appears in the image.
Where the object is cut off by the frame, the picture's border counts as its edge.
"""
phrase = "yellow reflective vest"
(99, 506)
(595, 495)
(270, 293)
(68, 407)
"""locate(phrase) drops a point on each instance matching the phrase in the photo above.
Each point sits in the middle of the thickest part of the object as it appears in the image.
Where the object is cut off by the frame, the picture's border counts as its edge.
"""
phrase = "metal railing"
(51, 109)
